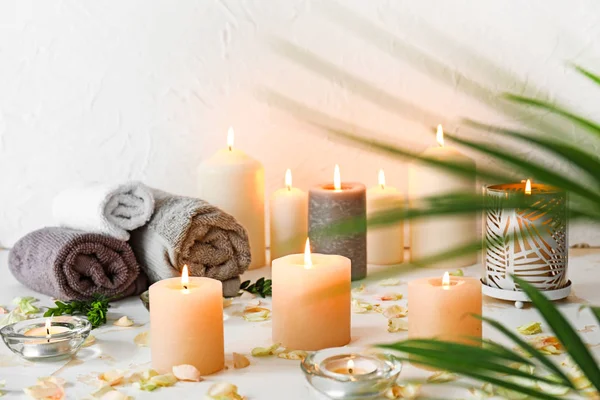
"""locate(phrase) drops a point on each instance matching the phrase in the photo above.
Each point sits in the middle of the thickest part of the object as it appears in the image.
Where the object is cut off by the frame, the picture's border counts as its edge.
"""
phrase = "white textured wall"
(138, 89)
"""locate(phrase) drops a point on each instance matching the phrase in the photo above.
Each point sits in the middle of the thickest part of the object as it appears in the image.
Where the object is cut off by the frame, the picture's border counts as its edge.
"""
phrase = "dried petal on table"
(257, 314)
(532, 328)
(223, 391)
(442, 377)
(390, 282)
(227, 302)
(548, 345)
(3, 310)
(391, 297)
(124, 321)
(186, 372)
(155, 382)
(90, 340)
(361, 307)
(395, 311)
(240, 361)
(406, 391)
(555, 390)
(397, 325)
(113, 377)
(265, 351)
(293, 355)
(142, 339)
(359, 289)
(51, 388)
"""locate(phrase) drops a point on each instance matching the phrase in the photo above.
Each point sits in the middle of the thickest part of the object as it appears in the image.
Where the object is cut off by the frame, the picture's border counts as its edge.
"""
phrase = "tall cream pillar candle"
(311, 301)
(235, 182)
(186, 324)
(288, 219)
(434, 235)
(385, 244)
(442, 308)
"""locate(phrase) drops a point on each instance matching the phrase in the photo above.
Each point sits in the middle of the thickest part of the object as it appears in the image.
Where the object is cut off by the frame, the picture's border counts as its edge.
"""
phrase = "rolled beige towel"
(192, 232)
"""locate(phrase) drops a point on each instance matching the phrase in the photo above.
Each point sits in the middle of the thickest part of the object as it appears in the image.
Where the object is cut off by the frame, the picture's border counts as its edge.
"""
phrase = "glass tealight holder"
(34, 340)
(351, 373)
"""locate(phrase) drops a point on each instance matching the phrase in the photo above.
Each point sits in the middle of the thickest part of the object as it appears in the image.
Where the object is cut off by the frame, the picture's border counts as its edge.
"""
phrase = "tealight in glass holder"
(351, 373)
(46, 339)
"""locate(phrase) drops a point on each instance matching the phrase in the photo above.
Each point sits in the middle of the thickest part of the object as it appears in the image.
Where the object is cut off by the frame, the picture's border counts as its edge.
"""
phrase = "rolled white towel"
(111, 209)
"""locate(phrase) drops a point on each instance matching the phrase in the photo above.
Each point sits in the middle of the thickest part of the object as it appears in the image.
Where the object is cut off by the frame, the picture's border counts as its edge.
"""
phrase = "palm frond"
(565, 333)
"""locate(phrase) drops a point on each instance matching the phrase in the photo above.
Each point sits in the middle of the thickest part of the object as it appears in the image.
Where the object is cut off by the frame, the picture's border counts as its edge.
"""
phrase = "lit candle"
(443, 308)
(186, 323)
(385, 244)
(431, 236)
(528, 187)
(288, 219)
(235, 182)
(311, 300)
(47, 330)
(331, 204)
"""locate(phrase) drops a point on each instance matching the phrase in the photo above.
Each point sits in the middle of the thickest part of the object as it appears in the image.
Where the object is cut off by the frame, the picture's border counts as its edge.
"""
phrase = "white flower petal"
(406, 391)
(532, 328)
(143, 339)
(265, 351)
(442, 377)
(391, 297)
(124, 321)
(223, 391)
(390, 282)
(395, 311)
(187, 372)
(397, 325)
(112, 377)
(293, 355)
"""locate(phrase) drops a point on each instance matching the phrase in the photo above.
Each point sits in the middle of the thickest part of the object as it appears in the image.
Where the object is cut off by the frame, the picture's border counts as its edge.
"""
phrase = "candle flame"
(337, 180)
(230, 136)
(185, 278)
(288, 179)
(350, 366)
(446, 280)
(528, 187)
(440, 135)
(307, 258)
(48, 326)
(381, 178)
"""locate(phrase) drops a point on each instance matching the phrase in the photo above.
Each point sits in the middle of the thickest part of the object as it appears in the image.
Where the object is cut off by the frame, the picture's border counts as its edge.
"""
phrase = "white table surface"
(268, 378)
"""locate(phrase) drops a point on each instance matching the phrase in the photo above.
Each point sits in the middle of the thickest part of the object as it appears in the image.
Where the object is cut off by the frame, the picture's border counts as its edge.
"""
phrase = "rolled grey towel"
(192, 232)
(111, 209)
(68, 264)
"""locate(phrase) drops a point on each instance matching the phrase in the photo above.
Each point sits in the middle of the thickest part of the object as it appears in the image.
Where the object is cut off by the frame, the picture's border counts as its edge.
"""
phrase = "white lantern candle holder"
(530, 243)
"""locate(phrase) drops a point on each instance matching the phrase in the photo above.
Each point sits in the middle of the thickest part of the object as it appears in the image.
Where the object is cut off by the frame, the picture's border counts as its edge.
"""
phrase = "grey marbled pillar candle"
(328, 206)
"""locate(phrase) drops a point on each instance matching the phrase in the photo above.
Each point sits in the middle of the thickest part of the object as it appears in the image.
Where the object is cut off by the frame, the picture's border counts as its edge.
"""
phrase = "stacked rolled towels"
(69, 264)
(111, 209)
(192, 232)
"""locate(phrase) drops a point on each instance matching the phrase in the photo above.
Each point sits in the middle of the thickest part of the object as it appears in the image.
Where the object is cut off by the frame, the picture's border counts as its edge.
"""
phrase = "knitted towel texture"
(192, 232)
(68, 264)
(111, 209)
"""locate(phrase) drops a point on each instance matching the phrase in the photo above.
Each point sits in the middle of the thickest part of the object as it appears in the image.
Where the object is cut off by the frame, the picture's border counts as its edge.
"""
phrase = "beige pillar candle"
(288, 219)
(235, 182)
(442, 308)
(186, 324)
(311, 301)
(434, 235)
(385, 244)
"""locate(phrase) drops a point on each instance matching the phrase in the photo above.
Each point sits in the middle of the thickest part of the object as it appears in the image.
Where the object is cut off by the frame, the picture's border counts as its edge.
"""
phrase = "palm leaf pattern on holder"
(528, 241)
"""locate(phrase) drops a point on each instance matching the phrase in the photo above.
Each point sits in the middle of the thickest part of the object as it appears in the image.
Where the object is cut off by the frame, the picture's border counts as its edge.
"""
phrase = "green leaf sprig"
(95, 309)
(262, 287)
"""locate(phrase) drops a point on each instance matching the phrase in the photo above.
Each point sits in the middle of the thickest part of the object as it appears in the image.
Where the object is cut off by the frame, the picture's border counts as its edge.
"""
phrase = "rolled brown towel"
(192, 232)
(69, 264)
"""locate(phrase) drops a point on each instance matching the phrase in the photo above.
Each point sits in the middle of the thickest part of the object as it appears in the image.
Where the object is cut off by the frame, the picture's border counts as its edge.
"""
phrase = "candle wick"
(185, 287)
(350, 370)
(382, 186)
(229, 148)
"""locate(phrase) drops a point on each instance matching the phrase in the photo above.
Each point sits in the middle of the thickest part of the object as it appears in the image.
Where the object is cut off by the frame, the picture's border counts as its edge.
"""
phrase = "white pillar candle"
(235, 182)
(434, 235)
(288, 219)
(385, 244)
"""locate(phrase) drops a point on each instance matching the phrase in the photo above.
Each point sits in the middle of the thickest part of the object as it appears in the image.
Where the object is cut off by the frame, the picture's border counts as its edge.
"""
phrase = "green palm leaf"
(565, 333)
(595, 78)
(581, 121)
